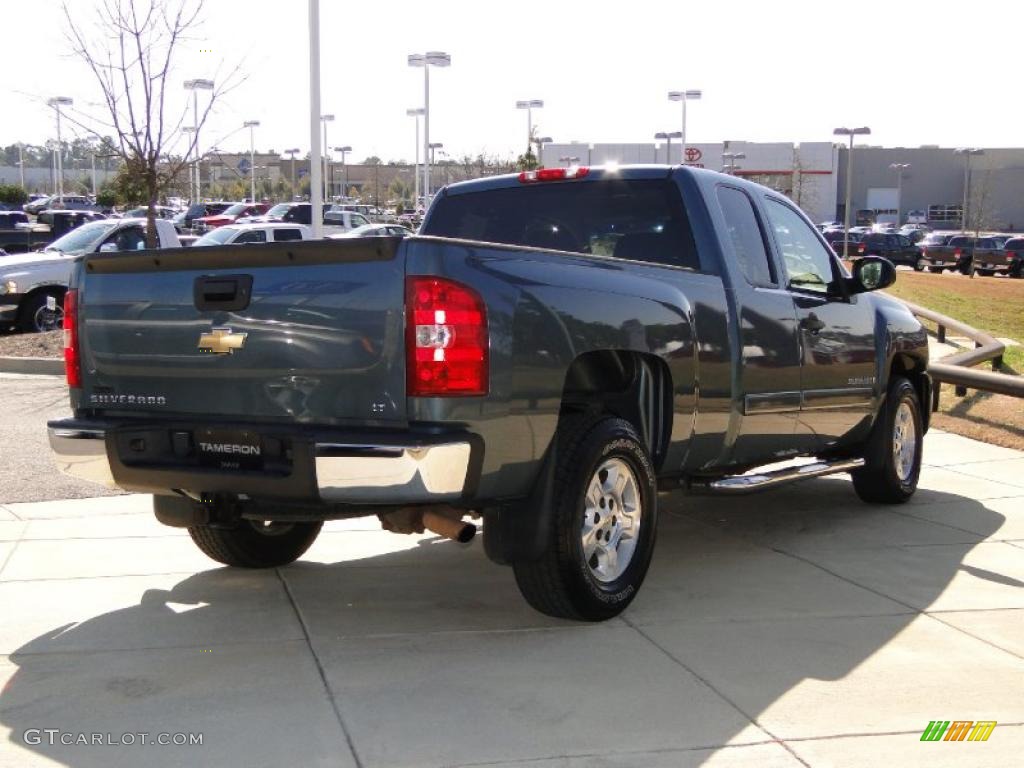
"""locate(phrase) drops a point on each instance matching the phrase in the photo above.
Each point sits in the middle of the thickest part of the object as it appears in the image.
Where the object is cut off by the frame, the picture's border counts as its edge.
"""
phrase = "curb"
(37, 366)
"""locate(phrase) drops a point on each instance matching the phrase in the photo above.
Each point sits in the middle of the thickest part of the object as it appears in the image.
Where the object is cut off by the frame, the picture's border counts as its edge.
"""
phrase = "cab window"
(252, 236)
(809, 265)
(127, 239)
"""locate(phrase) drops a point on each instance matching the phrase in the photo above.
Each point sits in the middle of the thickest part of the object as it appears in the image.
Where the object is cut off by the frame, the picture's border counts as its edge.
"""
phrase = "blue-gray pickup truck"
(549, 352)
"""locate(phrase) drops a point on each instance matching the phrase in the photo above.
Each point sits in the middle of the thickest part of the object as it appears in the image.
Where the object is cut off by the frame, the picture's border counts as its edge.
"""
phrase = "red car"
(228, 216)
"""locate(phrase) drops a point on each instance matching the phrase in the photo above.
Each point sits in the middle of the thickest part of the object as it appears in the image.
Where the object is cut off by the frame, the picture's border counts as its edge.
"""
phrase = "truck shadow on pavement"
(428, 655)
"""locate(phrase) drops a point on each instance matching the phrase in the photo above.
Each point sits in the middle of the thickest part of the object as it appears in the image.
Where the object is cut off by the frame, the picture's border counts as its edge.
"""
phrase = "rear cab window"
(635, 219)
(746, 237)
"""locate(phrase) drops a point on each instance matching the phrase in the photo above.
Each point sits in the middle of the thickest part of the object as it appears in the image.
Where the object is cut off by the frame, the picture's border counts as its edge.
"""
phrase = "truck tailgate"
(299, 332)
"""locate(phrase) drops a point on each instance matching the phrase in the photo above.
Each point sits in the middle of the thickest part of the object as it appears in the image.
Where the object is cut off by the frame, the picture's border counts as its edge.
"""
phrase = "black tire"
(985, 272)
(1016, 270)
(562, 583)
(34, 317)
(880, 480)
(918, 265)
(935, 270)
(254, 544)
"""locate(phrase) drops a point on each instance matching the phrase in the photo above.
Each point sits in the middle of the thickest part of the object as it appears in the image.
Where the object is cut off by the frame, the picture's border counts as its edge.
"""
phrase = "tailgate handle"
(228, 293)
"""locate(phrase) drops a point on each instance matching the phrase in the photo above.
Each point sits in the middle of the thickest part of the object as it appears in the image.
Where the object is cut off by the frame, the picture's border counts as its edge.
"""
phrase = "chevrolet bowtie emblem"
(221, 341)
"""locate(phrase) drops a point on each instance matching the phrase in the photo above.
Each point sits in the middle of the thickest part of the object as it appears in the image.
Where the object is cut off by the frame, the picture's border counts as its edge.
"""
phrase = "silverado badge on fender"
(221, 341)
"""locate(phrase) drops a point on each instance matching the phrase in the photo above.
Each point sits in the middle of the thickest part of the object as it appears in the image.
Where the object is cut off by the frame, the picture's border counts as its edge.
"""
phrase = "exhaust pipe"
(444, 521)
(459, 530)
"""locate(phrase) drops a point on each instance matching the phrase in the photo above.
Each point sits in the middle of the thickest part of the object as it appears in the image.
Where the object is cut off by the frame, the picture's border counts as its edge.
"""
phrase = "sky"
(784, 70)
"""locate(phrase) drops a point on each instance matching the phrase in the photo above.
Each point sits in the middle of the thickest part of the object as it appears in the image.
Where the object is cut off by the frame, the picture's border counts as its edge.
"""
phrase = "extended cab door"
(770, 352)
(836, 332)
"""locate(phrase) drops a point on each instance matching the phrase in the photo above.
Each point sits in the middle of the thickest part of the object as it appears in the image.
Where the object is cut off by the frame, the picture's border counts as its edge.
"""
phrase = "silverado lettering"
(548, 352)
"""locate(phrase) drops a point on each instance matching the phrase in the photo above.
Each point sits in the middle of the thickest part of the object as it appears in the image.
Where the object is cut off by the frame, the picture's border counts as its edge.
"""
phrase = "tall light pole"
(325, 119)
(432, 147)
(251, 125)
(416, 113)
(529, 105)
(344, 151)
(315, 197)
(966, 152)
(427, 60)
(899, 168)
(683, 97)
(851, 132)
(292, 153)
(199, 84)
(729, 162)
(21, 163)
(188, 130)
(57, 102)
(540, 148)
(667, 137)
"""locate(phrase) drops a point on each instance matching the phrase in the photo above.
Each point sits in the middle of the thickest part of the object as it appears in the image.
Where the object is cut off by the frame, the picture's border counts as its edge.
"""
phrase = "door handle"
(812, 324)
(229, 293)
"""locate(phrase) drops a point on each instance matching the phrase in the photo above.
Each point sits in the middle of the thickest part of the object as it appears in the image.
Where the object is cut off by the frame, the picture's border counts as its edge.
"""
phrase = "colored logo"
(221, 341)
(958, 730)
(693, 154)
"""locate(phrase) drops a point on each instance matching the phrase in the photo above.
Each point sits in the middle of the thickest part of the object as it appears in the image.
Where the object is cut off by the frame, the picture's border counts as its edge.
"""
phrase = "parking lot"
(799, 627)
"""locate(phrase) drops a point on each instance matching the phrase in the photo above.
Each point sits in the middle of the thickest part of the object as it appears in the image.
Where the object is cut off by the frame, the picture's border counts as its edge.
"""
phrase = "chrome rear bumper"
(346, 473)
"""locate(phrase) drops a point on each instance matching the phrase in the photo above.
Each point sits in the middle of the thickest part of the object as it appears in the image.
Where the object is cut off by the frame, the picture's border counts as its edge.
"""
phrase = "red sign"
(693, 154)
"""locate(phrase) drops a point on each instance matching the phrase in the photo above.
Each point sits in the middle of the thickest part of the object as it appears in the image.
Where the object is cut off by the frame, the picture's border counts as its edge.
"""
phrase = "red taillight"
(956, 253)
(860, 249)
(554, 174)
(446, 338)
(72, 364)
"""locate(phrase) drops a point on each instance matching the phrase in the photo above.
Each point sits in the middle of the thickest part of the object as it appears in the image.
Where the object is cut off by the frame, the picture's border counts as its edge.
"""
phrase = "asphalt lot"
(798, 627)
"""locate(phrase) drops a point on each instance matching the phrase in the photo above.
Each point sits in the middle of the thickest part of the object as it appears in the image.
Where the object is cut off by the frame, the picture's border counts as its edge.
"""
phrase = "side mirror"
(872, 273)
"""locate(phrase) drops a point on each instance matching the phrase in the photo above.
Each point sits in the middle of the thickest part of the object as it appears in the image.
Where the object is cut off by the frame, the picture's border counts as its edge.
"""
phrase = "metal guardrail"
(956, 369)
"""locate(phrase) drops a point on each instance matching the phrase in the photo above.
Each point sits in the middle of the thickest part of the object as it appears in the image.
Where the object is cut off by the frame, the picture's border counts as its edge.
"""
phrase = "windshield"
(279, 210)
(236, 210)
(218, 236)
(77, 240)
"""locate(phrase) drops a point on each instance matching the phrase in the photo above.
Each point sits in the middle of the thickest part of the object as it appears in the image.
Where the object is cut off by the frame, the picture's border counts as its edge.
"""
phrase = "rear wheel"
(603, 524)
(985, 272)
(919, 264)
(935, 270)
(893, 452)
(255, 543)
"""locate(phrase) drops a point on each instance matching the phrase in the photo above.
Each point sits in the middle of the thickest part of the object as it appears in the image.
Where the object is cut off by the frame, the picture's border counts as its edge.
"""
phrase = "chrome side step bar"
(740, 484)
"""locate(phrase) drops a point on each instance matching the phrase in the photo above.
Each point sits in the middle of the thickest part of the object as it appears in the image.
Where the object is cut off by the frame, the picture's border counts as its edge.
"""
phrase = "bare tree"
(130, 47)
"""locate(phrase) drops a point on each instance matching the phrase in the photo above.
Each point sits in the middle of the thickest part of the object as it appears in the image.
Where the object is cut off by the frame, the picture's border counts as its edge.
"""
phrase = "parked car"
(38, 204)
(963, 253)
(142, 212)
(1014, 254)
(557, 347)
(344, 220)
(30, 283)
(237, 234)
(78, 216)
(929, 246)
(296, 213)
(375, 230)
(198, 210)
(66, 203)
(895, 247)
(229, 216)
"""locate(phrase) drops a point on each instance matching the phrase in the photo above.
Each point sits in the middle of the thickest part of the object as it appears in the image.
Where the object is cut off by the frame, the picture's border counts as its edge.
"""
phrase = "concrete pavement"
(798, 627)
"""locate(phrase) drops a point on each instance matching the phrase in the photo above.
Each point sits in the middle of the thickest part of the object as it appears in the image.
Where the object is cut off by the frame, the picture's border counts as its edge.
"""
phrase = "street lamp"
(667, 137)
(344, 151)
(21, 162)
(251, 124)
(899, 168)
(57, 102)
(568, 160)
(427, 60)
(966, 152)
(529, 105)
(683, 97)
(199, 84)
(432, 147)
(188, 130)
(416, 113)
(325, 119)
(292, 153)
(540, 148)
(851, 132)
(729, 161)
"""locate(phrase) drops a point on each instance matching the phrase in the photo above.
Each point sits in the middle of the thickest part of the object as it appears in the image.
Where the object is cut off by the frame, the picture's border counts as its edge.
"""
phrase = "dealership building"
(930, 188)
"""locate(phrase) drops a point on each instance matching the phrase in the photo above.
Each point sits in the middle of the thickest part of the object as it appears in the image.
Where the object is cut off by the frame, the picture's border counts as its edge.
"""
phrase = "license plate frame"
(229, 449)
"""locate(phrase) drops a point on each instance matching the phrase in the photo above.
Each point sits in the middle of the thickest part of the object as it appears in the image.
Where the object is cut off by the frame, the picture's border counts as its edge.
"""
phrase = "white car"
(336, 219)
(374, 230)
(32, 285)
(270, 232)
